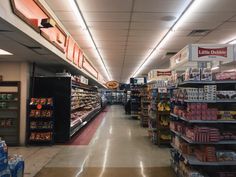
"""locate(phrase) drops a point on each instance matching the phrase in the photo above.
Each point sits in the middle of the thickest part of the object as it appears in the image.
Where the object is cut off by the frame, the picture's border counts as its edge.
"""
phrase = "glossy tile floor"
(119, 148)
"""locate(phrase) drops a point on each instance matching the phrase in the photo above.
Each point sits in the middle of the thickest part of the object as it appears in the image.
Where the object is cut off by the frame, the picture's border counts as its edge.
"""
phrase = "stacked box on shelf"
(144, 107)
(203, 131)
(135, 100)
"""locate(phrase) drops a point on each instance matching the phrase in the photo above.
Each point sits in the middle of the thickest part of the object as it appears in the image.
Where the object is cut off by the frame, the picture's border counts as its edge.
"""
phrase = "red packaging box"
(204, 106)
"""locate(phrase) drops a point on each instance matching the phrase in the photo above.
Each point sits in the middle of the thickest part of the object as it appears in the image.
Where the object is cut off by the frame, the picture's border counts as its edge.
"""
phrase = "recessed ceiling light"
(4, 52)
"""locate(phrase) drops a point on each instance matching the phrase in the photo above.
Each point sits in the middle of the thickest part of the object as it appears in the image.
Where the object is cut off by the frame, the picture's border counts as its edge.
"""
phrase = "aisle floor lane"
(120, 147)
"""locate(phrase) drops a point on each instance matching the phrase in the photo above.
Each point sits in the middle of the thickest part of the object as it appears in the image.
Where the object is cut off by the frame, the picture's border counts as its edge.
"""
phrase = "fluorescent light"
(232, 42)
(81, 20)
(78, 14)
(193, 4)
(4, 52)
(215, 68)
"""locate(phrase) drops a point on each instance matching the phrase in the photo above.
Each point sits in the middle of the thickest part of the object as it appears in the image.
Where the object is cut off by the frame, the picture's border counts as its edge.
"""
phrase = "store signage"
(181, 57)
(212, 52)
(112, 84)
(89, 68)
(164, 73)
(36, 16)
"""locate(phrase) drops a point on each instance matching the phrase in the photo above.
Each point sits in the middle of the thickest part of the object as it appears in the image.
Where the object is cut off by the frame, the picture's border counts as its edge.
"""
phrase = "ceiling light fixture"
(232, 41)
(215, 68)
(4, 52)
(193, 4)
(84, 26)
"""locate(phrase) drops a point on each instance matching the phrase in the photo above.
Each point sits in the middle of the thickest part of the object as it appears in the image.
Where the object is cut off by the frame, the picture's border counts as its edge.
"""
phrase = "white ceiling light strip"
(232, 41)
(4, 52)
(84, 26)
(193, 4)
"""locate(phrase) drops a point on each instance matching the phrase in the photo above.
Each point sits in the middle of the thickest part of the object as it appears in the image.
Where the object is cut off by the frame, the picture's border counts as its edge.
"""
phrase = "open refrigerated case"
(75, 104)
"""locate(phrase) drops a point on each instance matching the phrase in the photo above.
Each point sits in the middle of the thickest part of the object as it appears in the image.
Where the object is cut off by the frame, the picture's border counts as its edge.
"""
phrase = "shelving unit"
(75, 103)
(159, 116)
(199, 141)
(135, 97)
(144, 107)
(163, 119)
(10, 111)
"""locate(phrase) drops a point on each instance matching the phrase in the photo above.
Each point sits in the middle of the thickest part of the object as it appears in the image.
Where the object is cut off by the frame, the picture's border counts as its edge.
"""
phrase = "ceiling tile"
(107, 16)
(105, 5)
(160, 5)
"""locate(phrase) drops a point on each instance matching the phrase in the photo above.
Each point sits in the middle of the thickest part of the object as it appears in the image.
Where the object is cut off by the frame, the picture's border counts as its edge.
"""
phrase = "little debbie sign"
(212, 52)
(205, 52)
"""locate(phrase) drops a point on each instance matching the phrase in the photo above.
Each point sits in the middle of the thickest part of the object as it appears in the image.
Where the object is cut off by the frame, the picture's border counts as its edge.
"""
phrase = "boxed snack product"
(226, 75)
(206, 74)
(193, 74)
(229, 94)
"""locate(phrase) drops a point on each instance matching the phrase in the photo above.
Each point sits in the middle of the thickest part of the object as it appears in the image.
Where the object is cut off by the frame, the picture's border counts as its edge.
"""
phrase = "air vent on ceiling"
(199, 32)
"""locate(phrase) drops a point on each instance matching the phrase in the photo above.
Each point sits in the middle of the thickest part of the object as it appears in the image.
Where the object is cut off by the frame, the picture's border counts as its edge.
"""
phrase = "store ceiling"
(126, 31)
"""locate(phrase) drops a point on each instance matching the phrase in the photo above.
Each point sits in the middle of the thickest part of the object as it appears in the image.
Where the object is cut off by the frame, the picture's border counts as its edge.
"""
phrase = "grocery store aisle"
(119, 148)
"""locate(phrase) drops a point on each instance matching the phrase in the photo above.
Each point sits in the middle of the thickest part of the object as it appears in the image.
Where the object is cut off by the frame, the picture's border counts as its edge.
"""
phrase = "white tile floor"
(118, 142)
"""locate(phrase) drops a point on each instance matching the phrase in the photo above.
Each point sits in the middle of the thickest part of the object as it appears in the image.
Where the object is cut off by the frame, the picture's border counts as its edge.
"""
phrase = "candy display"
(45, 136)
(41, 101)
(41, 125)
(41, 119)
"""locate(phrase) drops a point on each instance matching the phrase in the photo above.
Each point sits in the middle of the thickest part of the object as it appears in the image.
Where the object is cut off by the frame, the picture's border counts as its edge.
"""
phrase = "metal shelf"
(229, 142)
(9, 100)
(205, 121)
(41, 129)
(192, 160)
(9, 109)
(189, 83)
(210, 101)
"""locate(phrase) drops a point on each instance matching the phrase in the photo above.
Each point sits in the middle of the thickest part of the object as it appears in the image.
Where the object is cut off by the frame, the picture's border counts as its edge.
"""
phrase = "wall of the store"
(18, 71)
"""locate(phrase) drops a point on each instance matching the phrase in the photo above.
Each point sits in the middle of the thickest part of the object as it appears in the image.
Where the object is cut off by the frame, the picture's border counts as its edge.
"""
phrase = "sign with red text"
(163, 73)
(89, 68)
(209, 52)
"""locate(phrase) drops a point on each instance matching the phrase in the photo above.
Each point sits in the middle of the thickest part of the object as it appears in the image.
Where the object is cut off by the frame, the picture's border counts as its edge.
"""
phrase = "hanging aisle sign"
(211, 52)
(202, 53)
(112, 84)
